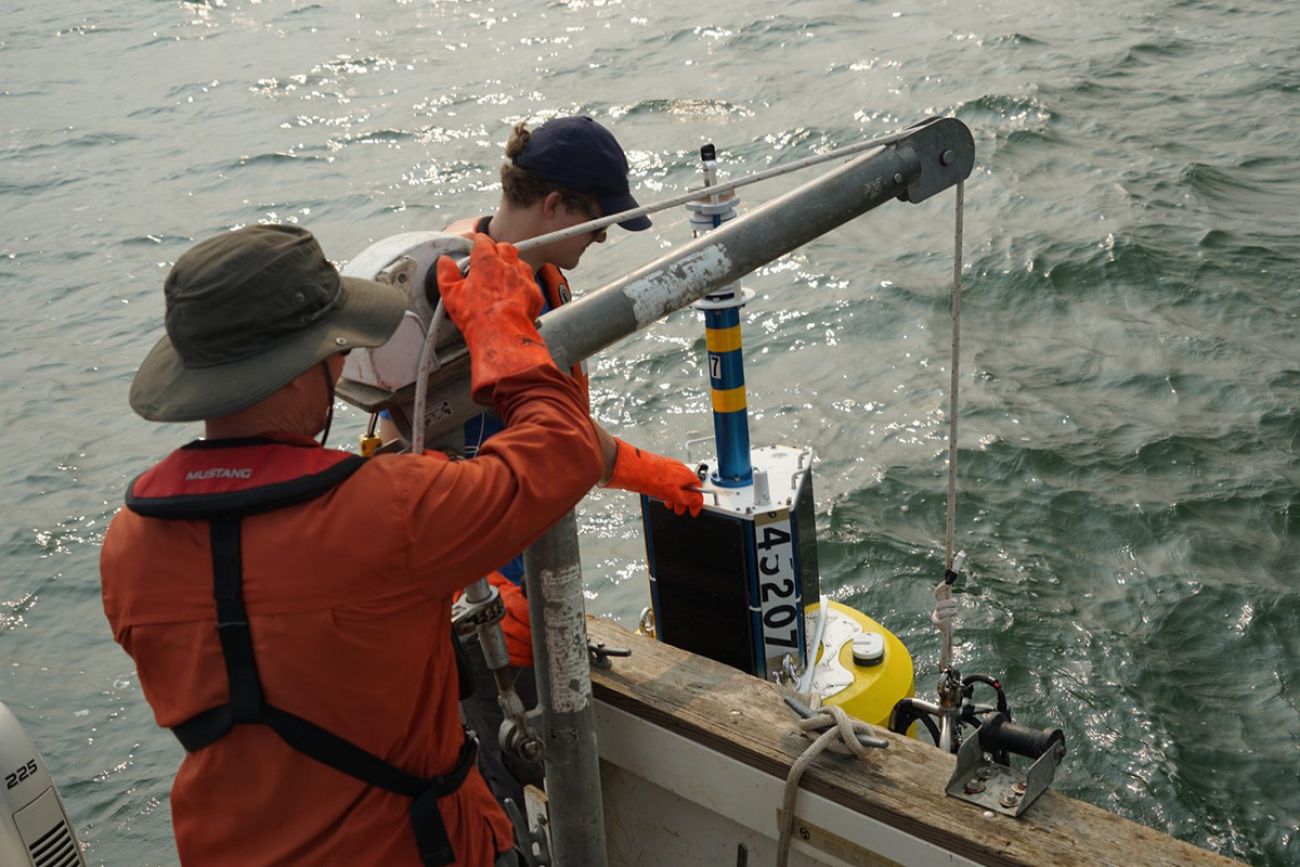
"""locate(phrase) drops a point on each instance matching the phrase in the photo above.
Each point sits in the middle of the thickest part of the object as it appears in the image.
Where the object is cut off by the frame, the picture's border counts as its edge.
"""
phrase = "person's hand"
(497, 281)
(494, 306)
(657, 476)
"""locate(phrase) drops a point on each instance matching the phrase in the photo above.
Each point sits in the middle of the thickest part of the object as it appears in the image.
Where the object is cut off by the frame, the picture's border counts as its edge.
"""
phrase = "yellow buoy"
(862, 667)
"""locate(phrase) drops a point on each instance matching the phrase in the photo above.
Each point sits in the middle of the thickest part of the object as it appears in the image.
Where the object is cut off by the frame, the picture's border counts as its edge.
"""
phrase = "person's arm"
(608, 451)
(608, 444)
(634, 469)
(468, 517)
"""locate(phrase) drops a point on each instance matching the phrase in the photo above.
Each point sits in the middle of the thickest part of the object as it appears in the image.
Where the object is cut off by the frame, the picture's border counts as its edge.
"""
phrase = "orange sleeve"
(468, 517)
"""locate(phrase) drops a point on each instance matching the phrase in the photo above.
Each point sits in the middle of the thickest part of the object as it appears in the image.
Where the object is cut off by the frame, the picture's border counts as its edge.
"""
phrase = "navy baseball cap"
(580, 154)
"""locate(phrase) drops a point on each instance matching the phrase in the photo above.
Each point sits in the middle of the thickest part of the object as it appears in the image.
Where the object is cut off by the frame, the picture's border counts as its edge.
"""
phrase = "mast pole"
(575, 811)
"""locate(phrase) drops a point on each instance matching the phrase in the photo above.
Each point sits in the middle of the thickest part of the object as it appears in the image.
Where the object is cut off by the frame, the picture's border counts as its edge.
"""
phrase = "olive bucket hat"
(247, 312)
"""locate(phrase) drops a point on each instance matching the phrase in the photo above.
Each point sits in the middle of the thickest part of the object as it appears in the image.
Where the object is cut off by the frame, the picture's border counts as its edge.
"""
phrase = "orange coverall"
(349, 600)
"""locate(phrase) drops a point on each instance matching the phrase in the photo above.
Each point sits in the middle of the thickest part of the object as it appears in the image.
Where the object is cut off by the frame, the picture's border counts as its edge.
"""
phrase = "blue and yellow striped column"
(727, 380)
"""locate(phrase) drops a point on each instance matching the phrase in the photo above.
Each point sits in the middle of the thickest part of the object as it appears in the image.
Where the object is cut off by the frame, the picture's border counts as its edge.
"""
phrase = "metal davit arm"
(920, 162)
(926, 160)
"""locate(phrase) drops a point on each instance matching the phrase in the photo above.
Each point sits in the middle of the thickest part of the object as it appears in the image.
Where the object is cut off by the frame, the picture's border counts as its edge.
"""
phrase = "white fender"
(404, 261)
(34, 827)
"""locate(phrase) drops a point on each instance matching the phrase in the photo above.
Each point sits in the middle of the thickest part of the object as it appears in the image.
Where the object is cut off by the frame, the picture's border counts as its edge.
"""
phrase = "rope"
(428, 364)
(945, 607)
(953, 382)
(841, 739)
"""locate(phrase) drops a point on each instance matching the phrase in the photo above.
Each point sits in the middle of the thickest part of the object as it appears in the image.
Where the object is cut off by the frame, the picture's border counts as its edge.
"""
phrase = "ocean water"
(1129, 491)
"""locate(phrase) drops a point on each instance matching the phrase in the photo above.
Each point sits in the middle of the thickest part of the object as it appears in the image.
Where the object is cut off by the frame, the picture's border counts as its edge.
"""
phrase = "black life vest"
(297, 474)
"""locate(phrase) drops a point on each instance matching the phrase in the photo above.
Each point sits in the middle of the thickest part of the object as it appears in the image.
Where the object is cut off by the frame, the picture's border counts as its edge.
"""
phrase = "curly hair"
(523, 188)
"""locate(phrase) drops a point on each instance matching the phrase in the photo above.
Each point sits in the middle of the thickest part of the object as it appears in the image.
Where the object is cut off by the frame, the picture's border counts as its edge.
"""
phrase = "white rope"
(804, 684)
(428, 364)
(842, 739)
(945, 607)
(953, 380)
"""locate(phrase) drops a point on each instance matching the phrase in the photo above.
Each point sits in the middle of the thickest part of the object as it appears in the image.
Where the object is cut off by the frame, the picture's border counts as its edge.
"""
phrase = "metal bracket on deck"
(998, 787)
(532, 842)
(599, 654)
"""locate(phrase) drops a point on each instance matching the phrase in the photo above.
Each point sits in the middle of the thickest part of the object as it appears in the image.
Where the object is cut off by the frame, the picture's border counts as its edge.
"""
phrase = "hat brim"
(164, 389)
(616, 204)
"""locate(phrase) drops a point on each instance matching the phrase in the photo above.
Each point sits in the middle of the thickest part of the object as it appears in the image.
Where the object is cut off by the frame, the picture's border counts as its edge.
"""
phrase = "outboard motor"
(34, 826)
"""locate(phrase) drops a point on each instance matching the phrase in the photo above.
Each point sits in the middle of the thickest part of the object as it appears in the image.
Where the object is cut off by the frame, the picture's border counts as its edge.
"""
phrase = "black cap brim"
(616, 204)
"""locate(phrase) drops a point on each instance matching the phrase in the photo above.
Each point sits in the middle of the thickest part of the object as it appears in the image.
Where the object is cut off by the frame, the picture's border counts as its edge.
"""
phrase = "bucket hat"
(580, 154)
(247, 312)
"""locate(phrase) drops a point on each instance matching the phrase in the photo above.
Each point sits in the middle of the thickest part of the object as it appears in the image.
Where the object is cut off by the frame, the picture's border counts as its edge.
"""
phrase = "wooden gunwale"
(744, 718)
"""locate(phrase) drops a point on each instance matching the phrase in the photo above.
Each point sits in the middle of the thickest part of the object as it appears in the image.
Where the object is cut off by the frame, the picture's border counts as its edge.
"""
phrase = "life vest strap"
(232, 622)
(346, 757)
(328, 748)
(247, 703)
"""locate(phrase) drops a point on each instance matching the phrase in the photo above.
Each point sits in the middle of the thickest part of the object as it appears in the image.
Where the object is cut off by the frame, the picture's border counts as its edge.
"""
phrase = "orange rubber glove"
(494, 307)
(657, 476)
(515, 625)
